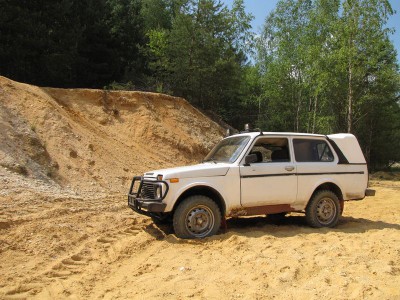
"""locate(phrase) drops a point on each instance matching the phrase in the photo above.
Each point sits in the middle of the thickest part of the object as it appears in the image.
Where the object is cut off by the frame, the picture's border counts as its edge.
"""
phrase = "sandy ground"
(97, 248)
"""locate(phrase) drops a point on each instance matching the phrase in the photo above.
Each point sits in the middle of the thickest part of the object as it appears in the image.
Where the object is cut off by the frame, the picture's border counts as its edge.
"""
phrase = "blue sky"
(261, 8)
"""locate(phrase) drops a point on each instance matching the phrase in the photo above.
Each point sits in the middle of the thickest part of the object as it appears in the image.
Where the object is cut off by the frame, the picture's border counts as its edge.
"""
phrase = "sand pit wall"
(97, 139)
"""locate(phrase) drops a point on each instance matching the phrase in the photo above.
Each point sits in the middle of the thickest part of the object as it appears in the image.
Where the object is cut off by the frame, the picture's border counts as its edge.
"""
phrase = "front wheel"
(196, 217)
(323, 210)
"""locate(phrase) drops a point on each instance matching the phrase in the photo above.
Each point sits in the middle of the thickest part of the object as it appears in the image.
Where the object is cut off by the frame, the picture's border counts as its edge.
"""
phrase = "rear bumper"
(358, 197)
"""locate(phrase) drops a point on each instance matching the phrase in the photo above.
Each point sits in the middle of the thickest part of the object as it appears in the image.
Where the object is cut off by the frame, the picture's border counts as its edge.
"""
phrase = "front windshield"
(228, 150)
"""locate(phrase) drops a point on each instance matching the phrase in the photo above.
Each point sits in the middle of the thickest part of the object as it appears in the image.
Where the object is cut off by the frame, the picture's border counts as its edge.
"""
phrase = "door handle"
(289, 168)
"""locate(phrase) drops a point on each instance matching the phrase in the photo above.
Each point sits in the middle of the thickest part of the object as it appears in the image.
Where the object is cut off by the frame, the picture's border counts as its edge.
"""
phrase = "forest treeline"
(318, 66)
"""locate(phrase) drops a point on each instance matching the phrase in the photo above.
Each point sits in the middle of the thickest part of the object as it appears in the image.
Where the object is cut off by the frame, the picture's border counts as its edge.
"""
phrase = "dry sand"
(74, 248)
(66, 158)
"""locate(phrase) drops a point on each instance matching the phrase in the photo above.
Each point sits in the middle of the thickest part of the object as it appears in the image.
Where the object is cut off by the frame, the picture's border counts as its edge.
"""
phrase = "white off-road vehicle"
(256, 173)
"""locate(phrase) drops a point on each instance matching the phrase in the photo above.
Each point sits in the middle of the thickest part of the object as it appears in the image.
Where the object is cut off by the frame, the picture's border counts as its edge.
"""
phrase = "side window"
(271, 150)
(307, 150)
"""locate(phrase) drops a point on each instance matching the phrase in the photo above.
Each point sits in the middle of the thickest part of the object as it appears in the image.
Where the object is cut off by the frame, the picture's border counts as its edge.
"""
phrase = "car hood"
(201, 170)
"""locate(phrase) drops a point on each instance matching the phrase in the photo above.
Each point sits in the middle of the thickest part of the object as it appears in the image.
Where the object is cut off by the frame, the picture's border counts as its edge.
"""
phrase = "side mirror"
(249, 159)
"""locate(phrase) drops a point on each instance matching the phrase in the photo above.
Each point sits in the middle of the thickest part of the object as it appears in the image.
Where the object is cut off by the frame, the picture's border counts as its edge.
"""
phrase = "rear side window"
(307, 150)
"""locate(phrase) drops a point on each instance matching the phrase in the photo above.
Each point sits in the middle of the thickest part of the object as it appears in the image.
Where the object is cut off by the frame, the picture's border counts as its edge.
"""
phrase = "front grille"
(148, 191)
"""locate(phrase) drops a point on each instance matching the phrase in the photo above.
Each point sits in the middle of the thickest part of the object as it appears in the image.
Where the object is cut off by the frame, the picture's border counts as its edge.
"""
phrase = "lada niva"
(256, 173)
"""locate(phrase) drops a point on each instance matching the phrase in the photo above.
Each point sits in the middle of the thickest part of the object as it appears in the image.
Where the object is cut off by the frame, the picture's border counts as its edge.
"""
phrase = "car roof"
(257, 133)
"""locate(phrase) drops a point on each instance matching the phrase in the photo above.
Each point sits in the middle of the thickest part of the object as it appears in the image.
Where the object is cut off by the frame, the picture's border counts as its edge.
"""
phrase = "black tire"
(323, 210)
(196, 217)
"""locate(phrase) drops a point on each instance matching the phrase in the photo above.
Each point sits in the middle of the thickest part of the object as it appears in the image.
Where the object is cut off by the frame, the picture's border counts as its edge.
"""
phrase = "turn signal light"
(159, 177)
(174, 180)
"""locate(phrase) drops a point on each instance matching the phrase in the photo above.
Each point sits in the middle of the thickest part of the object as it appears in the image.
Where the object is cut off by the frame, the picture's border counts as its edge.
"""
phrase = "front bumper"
(145, 196)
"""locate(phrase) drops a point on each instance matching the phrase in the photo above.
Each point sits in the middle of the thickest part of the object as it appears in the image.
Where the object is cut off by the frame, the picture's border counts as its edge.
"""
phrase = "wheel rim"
(200, 221)
(326, 210)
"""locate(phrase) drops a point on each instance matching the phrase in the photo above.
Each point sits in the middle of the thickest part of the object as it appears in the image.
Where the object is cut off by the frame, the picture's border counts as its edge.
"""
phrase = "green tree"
(38, 41)
(71, 43)
(157, 14)
(368, 60)
(329, 66)
(195, 54)
(284, 66)
(126, 27)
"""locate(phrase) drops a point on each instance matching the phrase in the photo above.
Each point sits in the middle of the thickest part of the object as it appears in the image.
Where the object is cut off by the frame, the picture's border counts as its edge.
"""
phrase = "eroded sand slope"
(97, 140)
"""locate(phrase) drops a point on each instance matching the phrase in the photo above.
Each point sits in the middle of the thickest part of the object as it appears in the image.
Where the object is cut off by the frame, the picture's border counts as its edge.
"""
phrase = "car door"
(315, 164)
(272, 179)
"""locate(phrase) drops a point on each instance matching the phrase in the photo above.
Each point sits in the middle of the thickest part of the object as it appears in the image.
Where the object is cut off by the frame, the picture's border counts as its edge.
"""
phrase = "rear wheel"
(196, 217)
(323, 210)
